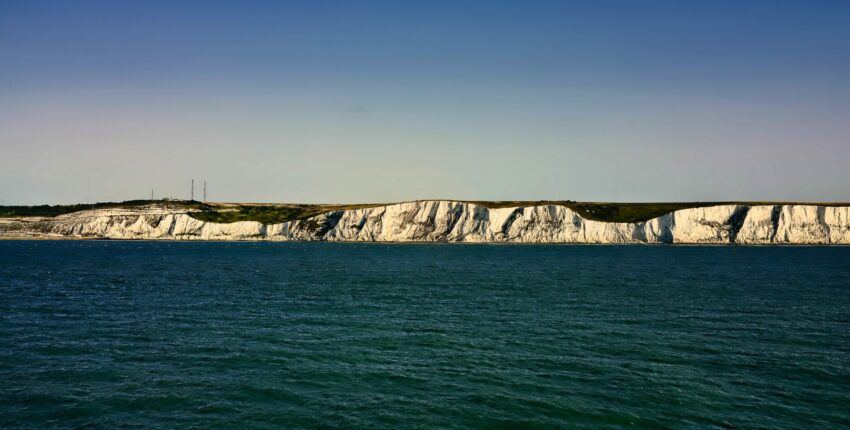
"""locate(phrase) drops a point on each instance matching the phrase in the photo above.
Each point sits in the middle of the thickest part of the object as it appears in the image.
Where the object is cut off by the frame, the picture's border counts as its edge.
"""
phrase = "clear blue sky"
(383, 101)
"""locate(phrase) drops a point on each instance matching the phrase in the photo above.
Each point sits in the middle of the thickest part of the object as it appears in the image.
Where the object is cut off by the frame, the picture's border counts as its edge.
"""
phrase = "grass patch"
(263, 214)
(609, 212)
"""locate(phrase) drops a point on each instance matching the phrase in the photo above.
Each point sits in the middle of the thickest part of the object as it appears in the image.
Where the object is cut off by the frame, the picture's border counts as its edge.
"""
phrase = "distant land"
(439, 221)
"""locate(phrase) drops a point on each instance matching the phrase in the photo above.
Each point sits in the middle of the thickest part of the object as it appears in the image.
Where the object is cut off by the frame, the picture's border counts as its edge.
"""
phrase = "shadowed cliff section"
(736, 222)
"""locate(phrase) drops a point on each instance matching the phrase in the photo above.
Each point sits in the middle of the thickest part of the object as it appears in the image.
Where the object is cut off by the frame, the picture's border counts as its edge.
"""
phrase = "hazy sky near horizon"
(392, 100)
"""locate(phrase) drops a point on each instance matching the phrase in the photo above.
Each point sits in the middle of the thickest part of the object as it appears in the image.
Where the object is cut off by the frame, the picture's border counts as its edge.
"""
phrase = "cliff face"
(450, 221)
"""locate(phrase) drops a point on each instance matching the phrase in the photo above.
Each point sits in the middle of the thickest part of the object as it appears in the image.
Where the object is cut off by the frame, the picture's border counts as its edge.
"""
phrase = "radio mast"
(205, 190)
(192, 195)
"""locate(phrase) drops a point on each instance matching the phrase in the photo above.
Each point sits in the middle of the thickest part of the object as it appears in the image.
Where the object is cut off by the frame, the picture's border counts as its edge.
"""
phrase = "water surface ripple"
(101, 334)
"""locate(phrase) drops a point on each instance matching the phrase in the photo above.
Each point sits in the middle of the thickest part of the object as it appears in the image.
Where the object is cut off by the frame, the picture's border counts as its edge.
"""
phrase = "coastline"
(445, 221)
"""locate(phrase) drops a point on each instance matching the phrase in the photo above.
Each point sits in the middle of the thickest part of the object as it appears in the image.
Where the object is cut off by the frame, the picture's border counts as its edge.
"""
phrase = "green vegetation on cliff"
(55, 210)
(278, 213)
(266, 213)
(610, 212)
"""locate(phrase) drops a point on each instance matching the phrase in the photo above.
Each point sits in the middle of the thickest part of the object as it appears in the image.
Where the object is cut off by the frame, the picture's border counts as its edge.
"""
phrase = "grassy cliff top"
(272, 213)
(54, 210)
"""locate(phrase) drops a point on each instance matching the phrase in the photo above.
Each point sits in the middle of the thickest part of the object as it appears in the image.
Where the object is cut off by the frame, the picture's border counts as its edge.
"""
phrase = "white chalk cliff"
(452, 221)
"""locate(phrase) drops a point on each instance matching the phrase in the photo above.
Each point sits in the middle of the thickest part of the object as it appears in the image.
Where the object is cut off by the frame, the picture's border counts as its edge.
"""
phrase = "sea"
(226, 335)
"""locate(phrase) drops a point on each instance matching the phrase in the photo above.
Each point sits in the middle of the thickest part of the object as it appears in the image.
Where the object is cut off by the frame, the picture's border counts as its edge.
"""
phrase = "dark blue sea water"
(375, 336)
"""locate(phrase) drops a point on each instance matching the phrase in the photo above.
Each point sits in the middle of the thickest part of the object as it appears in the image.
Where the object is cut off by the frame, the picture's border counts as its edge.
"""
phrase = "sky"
(373, 101)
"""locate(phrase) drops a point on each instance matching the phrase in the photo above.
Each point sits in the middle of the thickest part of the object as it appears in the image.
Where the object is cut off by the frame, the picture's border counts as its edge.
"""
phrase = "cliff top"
(271, 213)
